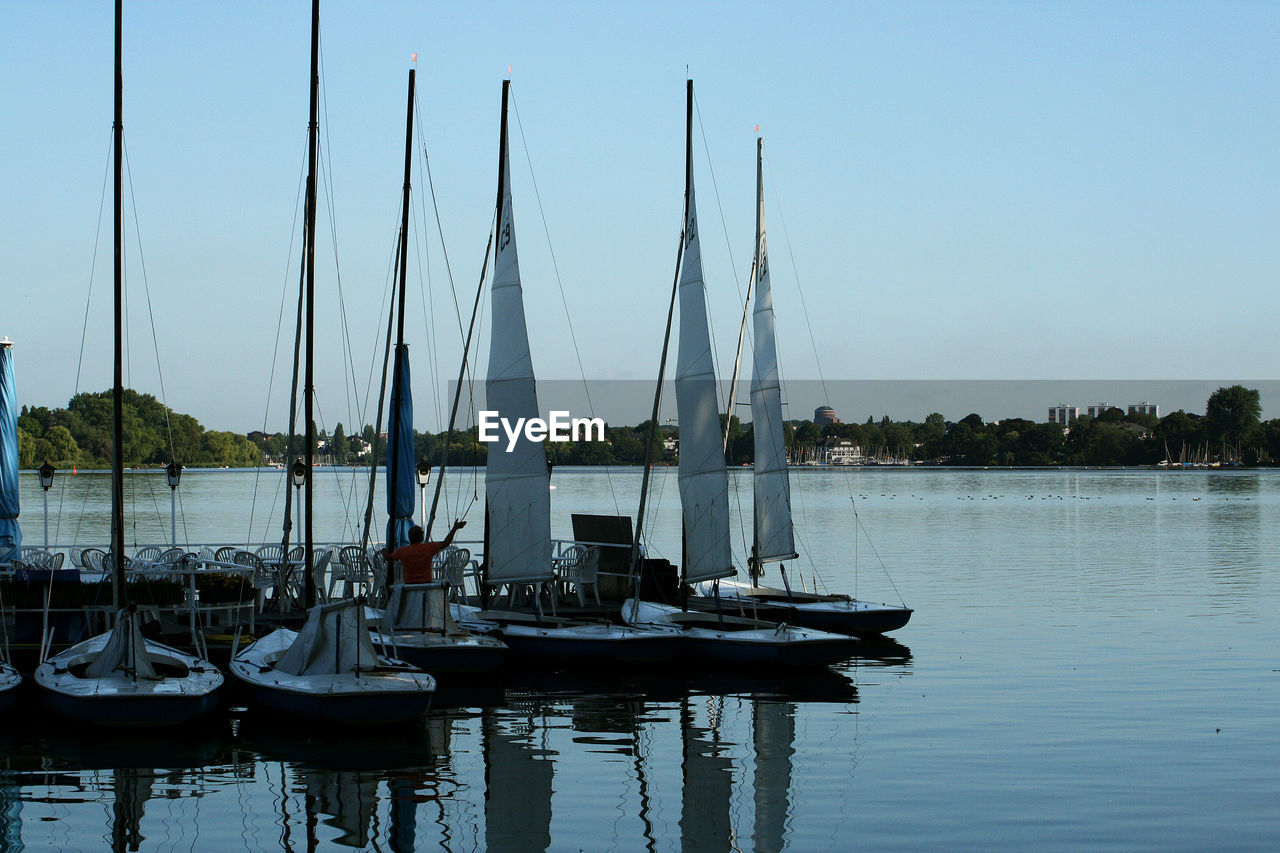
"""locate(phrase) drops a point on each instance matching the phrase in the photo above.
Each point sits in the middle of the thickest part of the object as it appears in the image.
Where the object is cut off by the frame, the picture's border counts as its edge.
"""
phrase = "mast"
(666, 340)
(703, 479)
(400, 428)
(517, 486)
(773, 535)
(117, 388)
(309, 252)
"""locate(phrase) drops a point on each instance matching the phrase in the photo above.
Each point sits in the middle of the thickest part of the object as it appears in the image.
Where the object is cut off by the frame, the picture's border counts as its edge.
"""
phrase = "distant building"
(824, 415)
(837, 451)
(1063, 414)
(1096, 410)
(1144, 409)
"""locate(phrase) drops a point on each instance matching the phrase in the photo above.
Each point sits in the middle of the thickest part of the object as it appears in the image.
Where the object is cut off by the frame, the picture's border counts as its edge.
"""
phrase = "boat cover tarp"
(125, 651)
(10, 533)
(334, 639)
(400, 463)
(419, 606)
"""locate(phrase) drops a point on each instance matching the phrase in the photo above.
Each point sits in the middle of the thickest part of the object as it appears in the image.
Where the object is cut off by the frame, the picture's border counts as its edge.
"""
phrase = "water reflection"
(701, 761)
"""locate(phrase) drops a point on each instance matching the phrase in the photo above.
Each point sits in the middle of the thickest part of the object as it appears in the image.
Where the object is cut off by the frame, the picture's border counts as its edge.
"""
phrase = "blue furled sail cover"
(400, 454)
(10, 534)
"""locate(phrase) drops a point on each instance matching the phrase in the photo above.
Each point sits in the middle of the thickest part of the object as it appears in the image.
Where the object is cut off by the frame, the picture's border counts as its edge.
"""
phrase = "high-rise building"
(1063, 413)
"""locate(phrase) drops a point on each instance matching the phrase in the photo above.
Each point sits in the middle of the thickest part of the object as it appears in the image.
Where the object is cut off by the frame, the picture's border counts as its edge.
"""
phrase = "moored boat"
(330, 672)
(121, 678)
(418, 627)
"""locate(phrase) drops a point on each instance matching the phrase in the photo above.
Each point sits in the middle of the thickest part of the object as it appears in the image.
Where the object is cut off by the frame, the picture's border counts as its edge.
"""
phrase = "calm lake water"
(1094, 663)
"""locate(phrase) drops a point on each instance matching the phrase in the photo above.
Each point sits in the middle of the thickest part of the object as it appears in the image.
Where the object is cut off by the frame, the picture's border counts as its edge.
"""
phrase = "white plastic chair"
(579, 566)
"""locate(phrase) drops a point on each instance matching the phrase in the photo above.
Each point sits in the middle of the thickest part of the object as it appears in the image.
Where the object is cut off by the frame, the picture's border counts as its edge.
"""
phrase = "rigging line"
(786, 235)
(326, 173)
(733, 267)
(93, 266)
(327, 185)
(872, 546)
(426, 298)
(146, 289)
(275, 348)
(564, 301)
(462, 375)
(377, 431)
(435, 207)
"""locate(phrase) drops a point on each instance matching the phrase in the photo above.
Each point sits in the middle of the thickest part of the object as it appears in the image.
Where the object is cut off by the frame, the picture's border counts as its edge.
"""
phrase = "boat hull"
(121, 701)
(281, 703)
(130, 711)
(835, 613)
(565, 647)
(752, 648)
(727, 640)
(473, 654)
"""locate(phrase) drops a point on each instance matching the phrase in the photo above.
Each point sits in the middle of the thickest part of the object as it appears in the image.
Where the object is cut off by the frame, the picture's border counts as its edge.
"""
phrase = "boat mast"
(117, 389)
(753, 562)
(497, 247)
(309, 253)
(397, 392)
(666, 341)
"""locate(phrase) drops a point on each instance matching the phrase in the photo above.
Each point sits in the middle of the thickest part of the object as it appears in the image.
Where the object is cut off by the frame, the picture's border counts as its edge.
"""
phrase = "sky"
(954, 191)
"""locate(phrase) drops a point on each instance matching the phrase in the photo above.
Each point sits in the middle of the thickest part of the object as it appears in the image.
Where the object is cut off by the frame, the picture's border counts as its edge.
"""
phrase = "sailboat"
(418, 626)
(417, 623)
(517, 483)
(120, 677)
(328, 671)
(773, 530)
(704, 490)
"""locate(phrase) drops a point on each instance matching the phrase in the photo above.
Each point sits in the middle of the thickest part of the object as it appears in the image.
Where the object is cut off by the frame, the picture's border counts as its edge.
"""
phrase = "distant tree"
(806, 434)
(57, 447)
(338, 445)
(1233, 412)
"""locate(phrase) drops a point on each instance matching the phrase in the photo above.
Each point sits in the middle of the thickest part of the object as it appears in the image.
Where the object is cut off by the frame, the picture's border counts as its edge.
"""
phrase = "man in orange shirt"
(416, 557)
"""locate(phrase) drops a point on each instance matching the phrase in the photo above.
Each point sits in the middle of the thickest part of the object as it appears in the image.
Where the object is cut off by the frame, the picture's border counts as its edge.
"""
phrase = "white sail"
(774, 539)
(516, 478)
(704, 483)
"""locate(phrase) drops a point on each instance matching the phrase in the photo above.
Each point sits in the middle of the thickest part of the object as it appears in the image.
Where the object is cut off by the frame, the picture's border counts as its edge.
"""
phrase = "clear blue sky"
(970, 190)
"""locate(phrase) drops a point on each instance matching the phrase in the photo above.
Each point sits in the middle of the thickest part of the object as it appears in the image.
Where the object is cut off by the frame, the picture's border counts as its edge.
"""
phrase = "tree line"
(80, 436)
(1229, 432)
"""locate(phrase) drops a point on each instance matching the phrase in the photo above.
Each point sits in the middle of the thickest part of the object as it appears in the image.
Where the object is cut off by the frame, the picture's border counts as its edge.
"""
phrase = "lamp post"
(424, 477)
(299, 477)
(174, 474)
(46, 483)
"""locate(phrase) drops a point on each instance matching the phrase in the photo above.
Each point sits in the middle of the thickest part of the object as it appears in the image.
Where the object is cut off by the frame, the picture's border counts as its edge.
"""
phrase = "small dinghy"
(558, 641)
(121, 678)
(418, 626)
(330, 672)
(839, 614)
(737, 641)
